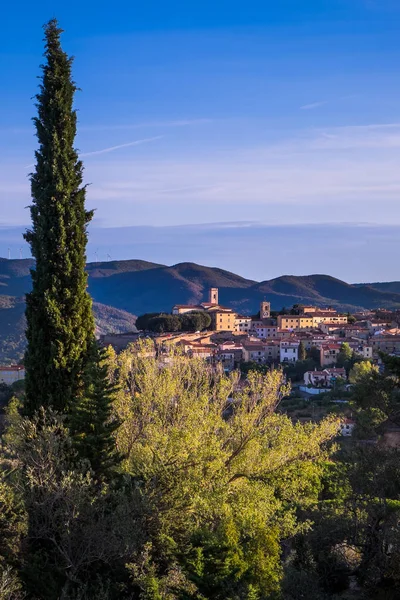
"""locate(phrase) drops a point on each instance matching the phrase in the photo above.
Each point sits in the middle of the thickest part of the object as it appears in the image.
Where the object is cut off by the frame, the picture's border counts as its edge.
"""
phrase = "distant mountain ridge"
(139, 286)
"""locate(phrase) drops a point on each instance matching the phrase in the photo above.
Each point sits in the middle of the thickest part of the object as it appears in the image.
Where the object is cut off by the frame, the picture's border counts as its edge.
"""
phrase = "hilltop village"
(224, 336)
(268, 338)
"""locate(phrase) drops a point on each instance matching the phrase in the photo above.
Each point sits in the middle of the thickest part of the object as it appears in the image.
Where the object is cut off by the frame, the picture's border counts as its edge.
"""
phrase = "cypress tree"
(92, 422)
(60, 324)
(302, 351)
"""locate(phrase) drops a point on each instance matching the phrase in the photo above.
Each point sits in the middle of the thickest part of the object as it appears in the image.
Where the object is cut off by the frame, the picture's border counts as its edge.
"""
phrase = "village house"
(324, 378)
(230, 356)
(386, 342)
(11, 374)
(329, 354)
(180, 309)
(263, 331)
(307, 310)
(345, 330)
(362, 348)
(201, 351)
(222, 319)
(289, 351)
(263, 353)
(379, 325)
(328, 317)
(243, 324)
(295, 322)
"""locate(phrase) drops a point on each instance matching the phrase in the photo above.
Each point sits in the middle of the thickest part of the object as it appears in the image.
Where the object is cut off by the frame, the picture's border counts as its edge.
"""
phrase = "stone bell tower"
(265, 310)
(213, 296)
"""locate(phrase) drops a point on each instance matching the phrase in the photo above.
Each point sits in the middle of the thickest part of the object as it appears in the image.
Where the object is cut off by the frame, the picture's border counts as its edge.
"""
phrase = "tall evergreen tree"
(60, 325)
(92, 421)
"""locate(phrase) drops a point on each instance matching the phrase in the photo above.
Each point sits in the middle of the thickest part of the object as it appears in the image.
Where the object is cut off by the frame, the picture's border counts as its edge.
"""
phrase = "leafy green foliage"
(79, 531)
(295, 371)
(222, 484)
(362, 370)
(345, 356)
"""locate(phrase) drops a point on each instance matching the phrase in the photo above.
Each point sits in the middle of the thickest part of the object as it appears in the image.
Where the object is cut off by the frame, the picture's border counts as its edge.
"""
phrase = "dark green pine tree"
(92, 421)
(60, 324)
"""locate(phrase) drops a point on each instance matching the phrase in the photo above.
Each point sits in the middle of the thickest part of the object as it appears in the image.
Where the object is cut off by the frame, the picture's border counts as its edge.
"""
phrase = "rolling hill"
(13, 324)
(390, 286)
(122, 289)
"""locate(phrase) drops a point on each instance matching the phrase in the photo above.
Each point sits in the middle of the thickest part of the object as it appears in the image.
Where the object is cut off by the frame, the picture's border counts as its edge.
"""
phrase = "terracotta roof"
(12, 368)
(331, 347)
(193, 306)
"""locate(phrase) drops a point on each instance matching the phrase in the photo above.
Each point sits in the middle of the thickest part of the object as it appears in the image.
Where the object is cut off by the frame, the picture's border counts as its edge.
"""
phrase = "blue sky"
(279, 120)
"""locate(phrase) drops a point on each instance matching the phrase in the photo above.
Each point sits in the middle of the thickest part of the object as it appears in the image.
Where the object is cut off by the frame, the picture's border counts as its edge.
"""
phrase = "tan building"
(261, 353)
(329, 354)
(295, 322)
(386, 343)
(362, 349)
(326, 317)
(11, 374)
(223, 319)
(346, 331)
(308, 310)
(180, 309)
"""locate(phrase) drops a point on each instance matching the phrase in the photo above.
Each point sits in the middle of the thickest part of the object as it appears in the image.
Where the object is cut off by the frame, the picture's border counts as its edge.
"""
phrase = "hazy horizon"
(353, 253)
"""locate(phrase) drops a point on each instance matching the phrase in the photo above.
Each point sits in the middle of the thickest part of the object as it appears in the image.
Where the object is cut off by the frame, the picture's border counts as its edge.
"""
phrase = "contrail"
(113, 148)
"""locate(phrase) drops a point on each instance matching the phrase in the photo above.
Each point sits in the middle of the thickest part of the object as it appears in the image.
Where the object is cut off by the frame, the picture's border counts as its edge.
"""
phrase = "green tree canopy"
(361, 370)
(223, 474)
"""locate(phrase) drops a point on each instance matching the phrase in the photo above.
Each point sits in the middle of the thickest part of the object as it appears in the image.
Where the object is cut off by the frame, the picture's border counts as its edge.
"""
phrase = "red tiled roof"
(331, 347)
(193, 306)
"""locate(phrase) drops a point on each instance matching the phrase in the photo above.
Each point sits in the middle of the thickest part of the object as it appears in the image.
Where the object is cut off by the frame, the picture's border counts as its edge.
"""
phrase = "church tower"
(213, 296)
(265, 310)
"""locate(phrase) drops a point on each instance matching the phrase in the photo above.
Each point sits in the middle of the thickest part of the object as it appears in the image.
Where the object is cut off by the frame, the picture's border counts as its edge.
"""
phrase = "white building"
(242, 324)
(264, 332)
(289, 351)
(324, 378)
(11, 374)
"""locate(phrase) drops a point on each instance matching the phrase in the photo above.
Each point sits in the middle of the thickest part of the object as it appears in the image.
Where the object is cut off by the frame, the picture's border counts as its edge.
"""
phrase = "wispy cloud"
(313, 105)
(127, 145)
(128, 126)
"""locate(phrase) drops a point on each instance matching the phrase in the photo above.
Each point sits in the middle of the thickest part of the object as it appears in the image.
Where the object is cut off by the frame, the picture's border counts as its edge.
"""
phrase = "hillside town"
(234, 339)
(284, 339)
